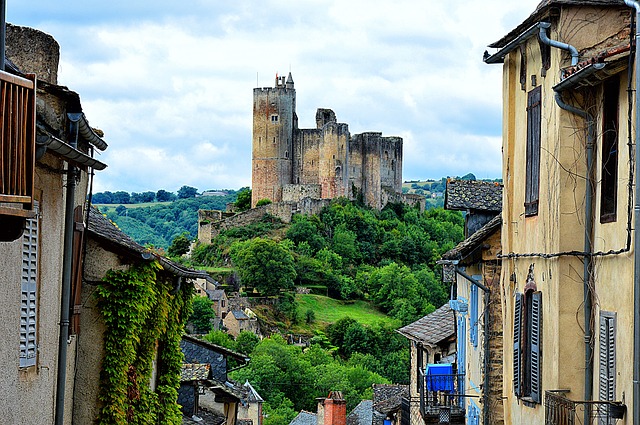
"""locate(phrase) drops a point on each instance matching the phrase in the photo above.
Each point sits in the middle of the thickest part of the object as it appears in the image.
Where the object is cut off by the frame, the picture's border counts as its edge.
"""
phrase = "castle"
(326, 162)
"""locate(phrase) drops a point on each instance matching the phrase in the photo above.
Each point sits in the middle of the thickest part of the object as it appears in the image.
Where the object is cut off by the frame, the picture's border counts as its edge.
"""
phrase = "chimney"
(332, 410)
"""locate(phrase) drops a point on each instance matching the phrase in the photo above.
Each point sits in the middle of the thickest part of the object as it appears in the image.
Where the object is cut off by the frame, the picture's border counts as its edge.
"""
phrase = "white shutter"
(607, 357)
(29, 296)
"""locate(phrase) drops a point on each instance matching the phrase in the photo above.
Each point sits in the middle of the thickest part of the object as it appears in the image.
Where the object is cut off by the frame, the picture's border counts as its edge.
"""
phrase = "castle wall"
(334, 160)
(307, 156)
(296, 192)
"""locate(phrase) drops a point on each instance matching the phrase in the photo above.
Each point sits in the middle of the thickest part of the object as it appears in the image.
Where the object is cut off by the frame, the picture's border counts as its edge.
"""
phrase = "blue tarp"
(439, 377)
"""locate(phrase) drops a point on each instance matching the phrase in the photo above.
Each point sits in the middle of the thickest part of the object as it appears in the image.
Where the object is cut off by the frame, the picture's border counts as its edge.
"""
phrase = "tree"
(147, 196)
(243, 201)
(264, 201)
(121, 197)
(180, 245)
(187, 192)
(264, 264)
(220, 338)
(202, 315)
(164, 196)
(121, 210)
(246, 342)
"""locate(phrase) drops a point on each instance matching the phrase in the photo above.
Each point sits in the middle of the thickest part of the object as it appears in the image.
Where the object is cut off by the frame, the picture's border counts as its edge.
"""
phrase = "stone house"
(332, 410)
(473, 270)
(386, 406)
(237, 321)
(433, 341)
(570, 291)
(46, 156)
(251, 405)
(204, 382)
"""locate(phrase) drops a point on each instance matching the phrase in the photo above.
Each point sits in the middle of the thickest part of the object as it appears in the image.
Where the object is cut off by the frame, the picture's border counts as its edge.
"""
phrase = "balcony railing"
(442, 396)
(17, 142)
(560, 410)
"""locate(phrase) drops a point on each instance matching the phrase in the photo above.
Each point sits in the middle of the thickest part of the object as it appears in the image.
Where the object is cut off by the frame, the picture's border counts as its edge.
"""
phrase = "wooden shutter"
(536, 346)
(473, 315)
(607, 356)
(29, 296)
(517, 345)
(534, 121)
(76, 273)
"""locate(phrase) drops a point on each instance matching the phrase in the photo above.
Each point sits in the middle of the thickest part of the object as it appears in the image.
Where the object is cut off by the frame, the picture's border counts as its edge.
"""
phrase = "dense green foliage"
(243, 202)
(140, 314)
(202, 315)
(180, 245)
(160, 224)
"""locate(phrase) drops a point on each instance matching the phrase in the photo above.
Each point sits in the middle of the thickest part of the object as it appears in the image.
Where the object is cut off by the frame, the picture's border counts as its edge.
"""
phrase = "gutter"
(46, 141)
(86, 131)
(636, 239)
(487, 297)
(588, 226)
(498, 57)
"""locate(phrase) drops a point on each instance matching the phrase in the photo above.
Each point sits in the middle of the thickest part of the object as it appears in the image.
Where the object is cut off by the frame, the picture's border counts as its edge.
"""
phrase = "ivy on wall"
(141, 315)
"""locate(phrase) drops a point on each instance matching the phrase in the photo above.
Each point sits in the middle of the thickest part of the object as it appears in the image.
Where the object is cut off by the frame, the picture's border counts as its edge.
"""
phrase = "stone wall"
(195, 353)
(491, 277)
(296, 192)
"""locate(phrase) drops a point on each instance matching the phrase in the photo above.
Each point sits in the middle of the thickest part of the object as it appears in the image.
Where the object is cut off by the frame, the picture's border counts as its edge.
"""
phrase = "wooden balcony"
(17, 143)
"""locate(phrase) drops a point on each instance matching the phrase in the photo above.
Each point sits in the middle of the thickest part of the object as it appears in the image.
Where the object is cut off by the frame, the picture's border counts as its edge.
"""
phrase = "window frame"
(610, 143)
(534, 129)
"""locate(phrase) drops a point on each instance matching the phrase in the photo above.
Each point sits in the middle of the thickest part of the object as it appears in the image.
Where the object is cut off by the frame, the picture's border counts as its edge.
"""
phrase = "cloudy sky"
(170, 82)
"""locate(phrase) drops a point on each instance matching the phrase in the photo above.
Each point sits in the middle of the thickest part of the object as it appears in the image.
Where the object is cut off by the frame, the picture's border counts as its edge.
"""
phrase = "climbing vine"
(142, 313)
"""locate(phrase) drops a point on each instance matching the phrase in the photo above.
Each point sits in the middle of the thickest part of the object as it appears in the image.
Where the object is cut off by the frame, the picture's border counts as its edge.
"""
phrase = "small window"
(532, 184)
(29, 289)
(609, 181)
(274, 118)
(286, 154)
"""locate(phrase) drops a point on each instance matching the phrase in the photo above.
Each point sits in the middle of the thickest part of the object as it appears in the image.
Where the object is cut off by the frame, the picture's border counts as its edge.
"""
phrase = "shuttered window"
(607, 360)
(532, 189)
(29, 293)
(527, 346)
(473, 315)
(609, 169)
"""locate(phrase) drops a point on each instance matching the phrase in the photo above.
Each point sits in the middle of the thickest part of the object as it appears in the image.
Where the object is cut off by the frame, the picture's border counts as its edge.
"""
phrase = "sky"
(171, 83)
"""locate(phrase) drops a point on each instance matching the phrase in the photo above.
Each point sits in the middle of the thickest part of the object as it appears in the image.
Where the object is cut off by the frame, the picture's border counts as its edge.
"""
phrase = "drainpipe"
(636, 239)
(72, 173)
(554, 43)
(588, 264)
(487, 295)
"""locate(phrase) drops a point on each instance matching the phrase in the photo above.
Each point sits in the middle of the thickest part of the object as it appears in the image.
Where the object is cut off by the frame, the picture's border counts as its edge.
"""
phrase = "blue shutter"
(536, 346)
(473, 316)
(517, 345)
(29, 287)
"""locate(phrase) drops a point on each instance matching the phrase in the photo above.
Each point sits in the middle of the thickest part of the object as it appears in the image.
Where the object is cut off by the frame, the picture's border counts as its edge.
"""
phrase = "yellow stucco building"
(567, 283)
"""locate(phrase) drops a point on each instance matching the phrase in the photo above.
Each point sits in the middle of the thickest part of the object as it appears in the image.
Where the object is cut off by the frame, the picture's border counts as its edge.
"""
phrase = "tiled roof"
(468, 245)
(194, 372)
(541, 11)
(227, 388)
(362, 414)
(239, 315)
(387, 398)
(304, 418)
(473, 195)
(101, 227)
(432, 328)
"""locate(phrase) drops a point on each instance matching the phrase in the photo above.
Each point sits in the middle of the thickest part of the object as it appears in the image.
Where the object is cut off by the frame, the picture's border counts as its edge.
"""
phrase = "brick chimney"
(332, 410)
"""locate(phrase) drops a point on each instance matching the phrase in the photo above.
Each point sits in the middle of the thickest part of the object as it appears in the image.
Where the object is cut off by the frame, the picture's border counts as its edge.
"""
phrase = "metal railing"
(441, 392)
(17, 139)
(559, 410)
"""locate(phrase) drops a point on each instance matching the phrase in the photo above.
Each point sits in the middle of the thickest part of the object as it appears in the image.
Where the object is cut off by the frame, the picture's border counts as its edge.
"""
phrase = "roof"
(468, 245)
(225, 388)
(215, 294)
(432, 328)
(239, 315)
(252, 394)
(217, 348)
(194, 372)
(101, 227)
(387, 398)
(206, 418)
(362, 414)
(473, 195)
(304, 418)
(542, 10)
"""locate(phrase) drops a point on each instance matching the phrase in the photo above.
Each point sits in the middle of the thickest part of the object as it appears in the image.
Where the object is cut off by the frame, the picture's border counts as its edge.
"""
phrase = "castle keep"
(290, 164)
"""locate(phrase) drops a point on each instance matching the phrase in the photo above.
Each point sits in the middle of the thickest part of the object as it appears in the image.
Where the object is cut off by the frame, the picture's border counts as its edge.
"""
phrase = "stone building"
(326, 162)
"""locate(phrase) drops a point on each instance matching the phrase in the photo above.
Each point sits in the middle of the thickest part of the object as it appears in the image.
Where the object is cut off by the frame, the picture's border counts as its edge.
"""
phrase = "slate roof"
(387, 398)
(304, 418)
(362, 414)
(541, 11)
(228, 388)
(194, 372)
(239, 315)
(216, 348)
(208, 418)
(467, 246)
(252, 394)
(432, 328)
(215, 294)
(473, 195)
(102, 228)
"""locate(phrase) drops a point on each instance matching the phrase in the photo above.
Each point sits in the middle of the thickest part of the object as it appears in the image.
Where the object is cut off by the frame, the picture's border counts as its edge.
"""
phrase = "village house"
(472, 268)
(570, 291)
(433, 343)
(236, 321)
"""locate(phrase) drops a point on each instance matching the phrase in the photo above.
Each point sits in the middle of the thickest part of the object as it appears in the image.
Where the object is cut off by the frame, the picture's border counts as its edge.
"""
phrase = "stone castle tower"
(290, 164)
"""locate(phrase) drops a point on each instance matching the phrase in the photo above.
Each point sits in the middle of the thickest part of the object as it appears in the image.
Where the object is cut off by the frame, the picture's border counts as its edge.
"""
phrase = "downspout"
(72, 174)
(588, 227)
(487, 297)
(588, 261)
(636, 238)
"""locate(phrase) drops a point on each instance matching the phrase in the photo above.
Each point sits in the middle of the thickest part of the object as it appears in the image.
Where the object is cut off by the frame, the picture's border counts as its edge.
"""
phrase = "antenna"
(257, 83)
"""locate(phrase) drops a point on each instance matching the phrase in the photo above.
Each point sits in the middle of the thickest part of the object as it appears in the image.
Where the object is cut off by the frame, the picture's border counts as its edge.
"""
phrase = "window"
(609, 182)
(473, 315)
(527, 348)
(533, 151)
(274, 118)
(29, 288)
(607, 369)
